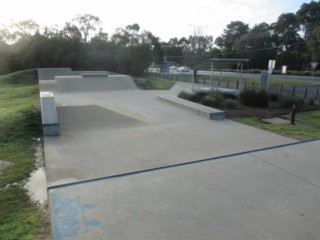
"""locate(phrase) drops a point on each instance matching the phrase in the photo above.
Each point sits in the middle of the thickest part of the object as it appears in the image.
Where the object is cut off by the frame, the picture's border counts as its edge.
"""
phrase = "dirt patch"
(270, 112)
(4, 165)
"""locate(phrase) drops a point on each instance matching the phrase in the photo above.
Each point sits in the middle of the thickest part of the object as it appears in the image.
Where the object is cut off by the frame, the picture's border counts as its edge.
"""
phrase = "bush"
(199, 95)
(250, 97)
(253, 71)
(317, 74)
(307, 73)
(261, 99)
(287, 101)
(276, 72)
(273, 97)
(193, 97)
(230, 103)
(230, 96)
(247, 97)
(311, 101)
(211, 101)
(185, 95)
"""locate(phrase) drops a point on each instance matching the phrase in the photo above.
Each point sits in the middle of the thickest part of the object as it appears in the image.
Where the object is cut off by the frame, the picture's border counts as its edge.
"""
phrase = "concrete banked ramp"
(65, 80)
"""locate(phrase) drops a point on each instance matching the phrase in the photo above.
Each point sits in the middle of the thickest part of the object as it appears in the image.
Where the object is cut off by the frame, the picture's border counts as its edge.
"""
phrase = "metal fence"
(304, 92)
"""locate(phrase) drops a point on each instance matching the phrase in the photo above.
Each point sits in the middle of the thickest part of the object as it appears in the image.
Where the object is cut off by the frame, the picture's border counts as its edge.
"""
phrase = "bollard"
(293, 114)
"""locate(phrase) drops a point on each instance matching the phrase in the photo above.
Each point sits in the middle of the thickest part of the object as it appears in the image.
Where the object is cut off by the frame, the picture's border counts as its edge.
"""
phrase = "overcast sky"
(165, 18)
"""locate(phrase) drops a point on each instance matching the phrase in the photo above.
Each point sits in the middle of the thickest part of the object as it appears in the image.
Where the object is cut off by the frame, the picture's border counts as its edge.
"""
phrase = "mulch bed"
(272, 111)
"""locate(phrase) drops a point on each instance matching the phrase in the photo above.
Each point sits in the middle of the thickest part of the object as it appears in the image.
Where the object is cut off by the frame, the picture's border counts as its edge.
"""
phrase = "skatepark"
(124, 164)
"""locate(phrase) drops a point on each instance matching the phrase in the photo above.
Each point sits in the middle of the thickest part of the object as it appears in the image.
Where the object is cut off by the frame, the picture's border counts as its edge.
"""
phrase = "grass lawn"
(19, 124)
(148, 83)
(307, 125)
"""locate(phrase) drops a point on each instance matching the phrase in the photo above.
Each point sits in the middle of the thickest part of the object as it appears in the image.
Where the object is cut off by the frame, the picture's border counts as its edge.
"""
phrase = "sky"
(165, 19)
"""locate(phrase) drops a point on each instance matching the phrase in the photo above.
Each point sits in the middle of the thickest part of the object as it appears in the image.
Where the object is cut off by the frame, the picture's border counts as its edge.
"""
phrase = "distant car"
(183, 69)
(173, 68)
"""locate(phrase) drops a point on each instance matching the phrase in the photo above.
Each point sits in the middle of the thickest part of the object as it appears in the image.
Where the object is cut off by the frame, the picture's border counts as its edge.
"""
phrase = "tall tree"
(309, 17)
(313, 43)
(257, 45)
(87, 25)
(289, 41)
(233, 32)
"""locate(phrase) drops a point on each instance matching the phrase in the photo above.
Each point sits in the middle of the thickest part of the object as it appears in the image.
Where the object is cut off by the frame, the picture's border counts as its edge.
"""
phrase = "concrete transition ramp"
(92, 83)
(66, 80)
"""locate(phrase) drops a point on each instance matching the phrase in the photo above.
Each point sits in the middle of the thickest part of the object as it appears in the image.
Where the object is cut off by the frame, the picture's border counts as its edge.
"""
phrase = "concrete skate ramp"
(92, 84)
(50, 73)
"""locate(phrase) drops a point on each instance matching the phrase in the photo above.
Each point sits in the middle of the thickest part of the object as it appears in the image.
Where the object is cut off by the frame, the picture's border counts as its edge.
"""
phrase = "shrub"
(317, 74)
(199, 95)
(230, 103)
(253, 71)
(185, 95)
(287, 101)
(247, 97)
(250, 97)
(230, 96)
(311, 101)
(307, 73)
(261, 99)
(273, 97)
(219, 96)
(211, 101)
(276, 72)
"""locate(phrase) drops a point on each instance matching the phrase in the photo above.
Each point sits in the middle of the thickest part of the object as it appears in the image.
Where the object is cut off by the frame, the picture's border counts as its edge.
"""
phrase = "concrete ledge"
(203, 111)
(94, 74)
(49, 115)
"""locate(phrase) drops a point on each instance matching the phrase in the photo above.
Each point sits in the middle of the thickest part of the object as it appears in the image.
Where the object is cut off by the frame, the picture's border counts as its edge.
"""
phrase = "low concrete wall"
(94, 82)
(50, 120)
(203, 111)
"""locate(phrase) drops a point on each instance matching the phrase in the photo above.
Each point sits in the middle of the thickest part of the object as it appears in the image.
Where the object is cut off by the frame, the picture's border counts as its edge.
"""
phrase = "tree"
(288, 41)
(227, 40)
(86, 23)
(313, 44)
(258, 45)
(308, 17)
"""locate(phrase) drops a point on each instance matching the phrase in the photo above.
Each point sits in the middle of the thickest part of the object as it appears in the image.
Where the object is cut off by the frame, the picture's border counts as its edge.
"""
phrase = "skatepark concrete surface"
(129, 166)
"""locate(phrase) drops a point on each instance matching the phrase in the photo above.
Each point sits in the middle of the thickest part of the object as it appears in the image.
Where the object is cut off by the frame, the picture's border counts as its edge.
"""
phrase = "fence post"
(281, 88)
(293, 114)
(316, 94)
(219, 83)
(293, 90)
(305, 93)
(237, 84)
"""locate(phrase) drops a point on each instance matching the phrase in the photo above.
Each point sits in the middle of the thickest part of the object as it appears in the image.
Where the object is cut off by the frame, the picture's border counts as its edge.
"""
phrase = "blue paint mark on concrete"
(69, 217)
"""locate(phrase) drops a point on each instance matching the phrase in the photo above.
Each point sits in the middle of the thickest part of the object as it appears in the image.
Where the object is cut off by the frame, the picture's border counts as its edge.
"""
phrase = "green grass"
(307, 125)
(19, 218)
(148, 83)
(19, 124)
